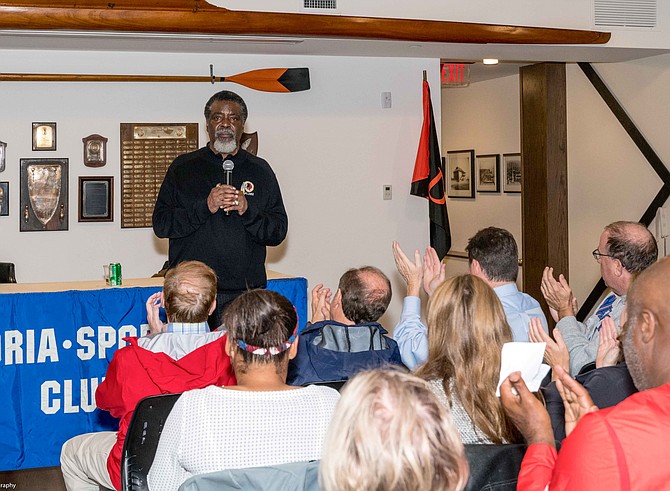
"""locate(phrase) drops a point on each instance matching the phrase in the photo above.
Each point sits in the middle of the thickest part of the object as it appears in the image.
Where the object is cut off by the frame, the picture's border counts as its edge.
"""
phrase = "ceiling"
(511, 56)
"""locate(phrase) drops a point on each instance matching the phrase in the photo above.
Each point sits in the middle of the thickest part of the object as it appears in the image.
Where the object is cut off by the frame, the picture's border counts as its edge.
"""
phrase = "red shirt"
(135, 373)
(625, 447)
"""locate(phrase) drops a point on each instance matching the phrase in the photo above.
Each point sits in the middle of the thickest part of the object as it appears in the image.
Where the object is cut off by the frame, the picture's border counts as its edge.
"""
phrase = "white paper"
(525, 358)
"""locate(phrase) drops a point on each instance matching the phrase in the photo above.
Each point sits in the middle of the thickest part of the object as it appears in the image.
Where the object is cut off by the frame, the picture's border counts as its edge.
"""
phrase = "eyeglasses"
(597, 254)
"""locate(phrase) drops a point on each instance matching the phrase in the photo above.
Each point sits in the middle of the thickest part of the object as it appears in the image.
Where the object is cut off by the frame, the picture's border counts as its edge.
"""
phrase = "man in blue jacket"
(344, 336)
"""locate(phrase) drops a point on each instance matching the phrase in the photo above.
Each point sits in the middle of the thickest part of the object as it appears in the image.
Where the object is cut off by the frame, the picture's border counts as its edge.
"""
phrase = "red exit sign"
(455, 74)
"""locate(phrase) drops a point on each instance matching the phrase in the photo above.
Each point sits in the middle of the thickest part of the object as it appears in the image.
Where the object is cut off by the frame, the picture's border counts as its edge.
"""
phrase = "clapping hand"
(320, 303)
(576, 399)
(434, 271)
(556, 352)
(558, 295)
(411, 272)
(609, 346)
(153, 305)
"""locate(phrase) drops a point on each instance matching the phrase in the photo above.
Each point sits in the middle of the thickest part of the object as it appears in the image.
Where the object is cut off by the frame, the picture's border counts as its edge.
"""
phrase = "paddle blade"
(273, 79)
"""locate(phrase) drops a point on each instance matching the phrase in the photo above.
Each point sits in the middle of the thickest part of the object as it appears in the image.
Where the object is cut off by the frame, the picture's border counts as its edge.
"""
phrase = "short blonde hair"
(189, 291)
(389, 432)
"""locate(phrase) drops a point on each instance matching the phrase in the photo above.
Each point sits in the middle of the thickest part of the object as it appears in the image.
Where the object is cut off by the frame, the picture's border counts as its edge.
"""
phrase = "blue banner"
(54, 352)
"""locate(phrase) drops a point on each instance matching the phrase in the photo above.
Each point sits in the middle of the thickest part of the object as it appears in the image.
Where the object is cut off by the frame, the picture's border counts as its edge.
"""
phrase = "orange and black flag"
(428, 179)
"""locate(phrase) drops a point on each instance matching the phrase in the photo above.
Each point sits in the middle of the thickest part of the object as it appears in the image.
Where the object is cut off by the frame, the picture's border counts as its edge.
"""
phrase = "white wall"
(608, 178)
(332, 147)
(483, 116)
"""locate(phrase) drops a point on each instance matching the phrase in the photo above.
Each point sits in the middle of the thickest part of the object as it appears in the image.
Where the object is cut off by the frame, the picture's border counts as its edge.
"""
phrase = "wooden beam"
(544, 173)
(198, 17)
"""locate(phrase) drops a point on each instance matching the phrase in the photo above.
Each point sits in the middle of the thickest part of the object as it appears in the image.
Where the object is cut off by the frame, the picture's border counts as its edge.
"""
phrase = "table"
(56, 340)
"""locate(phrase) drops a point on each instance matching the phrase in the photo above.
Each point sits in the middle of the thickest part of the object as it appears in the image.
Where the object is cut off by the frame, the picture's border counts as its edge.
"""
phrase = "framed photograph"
(96, 199)
(44, 136)
(44, 195)
(95, 150)
(3, 155)
(488, 173)
(512, 172)
(4, 199)
(460, 170)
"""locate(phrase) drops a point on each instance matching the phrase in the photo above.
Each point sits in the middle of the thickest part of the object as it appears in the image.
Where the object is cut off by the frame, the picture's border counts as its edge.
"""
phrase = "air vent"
(625, 13)
(320, 4)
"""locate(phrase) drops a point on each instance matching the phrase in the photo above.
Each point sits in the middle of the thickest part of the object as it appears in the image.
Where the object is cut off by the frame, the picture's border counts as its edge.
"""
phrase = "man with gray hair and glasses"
(625, 249)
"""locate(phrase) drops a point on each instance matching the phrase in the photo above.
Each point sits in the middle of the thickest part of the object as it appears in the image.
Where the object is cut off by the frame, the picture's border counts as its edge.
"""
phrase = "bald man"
(623, 447)
(624, 250)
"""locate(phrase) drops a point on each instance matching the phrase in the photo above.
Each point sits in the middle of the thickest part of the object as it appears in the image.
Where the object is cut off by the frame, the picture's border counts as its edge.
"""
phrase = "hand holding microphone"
(225, 196)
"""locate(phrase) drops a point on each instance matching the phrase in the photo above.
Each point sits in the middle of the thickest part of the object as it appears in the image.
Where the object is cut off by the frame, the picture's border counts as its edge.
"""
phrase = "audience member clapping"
(608, 384)
(261, 421)
(390, 433)
(466, 332)
(622, 447)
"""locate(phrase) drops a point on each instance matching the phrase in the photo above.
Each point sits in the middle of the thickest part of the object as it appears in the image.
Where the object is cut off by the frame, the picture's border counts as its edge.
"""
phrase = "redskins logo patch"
(248, 188)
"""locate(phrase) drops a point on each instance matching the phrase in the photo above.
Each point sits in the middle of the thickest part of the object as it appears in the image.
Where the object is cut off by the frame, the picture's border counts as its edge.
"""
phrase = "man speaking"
(221, 205)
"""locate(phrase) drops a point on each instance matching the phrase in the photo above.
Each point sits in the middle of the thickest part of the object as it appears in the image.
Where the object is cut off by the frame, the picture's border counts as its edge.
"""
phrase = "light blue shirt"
(188, 327)
(412, 335)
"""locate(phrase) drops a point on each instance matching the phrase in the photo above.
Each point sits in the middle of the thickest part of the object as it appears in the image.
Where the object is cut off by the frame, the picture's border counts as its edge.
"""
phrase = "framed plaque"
(95, 151)
(249, 142)
(147, 150)
(488, 173)
(44, 195)
(4, 199)
(96, 199)
(44, 136)
(512, 172)
(460, 173)
(3, 155)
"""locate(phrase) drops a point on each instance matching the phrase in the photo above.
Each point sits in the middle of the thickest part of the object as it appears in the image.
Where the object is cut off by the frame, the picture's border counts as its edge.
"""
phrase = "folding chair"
(139, 447)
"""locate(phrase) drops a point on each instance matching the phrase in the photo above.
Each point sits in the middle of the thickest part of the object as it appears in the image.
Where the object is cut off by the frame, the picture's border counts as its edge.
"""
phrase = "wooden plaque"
(147, 150)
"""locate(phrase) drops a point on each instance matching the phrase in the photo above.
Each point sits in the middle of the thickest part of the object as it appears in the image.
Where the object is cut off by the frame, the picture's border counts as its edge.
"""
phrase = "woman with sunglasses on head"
(261, 421)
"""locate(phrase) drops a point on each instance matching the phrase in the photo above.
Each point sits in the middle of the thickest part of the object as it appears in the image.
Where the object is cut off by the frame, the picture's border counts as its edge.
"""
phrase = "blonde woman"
(390, 433)
(466, 331)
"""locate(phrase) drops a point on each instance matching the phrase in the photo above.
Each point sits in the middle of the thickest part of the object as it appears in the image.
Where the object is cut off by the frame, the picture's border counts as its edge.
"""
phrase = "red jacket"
(624, 447)
(135, 373)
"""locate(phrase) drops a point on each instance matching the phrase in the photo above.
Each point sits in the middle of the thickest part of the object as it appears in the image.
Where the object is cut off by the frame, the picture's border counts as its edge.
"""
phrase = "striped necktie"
(605, 307)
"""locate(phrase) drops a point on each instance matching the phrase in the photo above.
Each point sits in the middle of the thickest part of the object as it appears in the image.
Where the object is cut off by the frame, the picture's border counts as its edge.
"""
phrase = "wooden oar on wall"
(264, 79)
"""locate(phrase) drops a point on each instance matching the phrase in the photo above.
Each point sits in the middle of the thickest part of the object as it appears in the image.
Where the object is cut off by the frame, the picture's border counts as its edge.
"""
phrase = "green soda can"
(119, 277)
(115, 277)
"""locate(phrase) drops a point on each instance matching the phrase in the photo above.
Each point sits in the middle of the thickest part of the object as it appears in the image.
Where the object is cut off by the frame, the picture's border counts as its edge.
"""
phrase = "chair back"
(494, 467)
(139, 447)
(296, 476)
(7, 273)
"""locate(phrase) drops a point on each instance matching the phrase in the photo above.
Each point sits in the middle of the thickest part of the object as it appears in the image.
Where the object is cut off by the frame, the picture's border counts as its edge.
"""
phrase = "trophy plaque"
(44, 136)
(44, 195)
(249, 142)
(4, 199)
(96, 199)
(3, 155)
(147, 150)
(95, 151)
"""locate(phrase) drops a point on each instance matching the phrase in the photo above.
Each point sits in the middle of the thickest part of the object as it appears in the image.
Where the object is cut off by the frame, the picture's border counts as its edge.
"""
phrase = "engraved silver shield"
(44, 184)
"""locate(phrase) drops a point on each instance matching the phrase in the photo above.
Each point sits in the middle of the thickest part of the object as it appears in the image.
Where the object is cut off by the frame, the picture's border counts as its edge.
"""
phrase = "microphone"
(228, 166)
